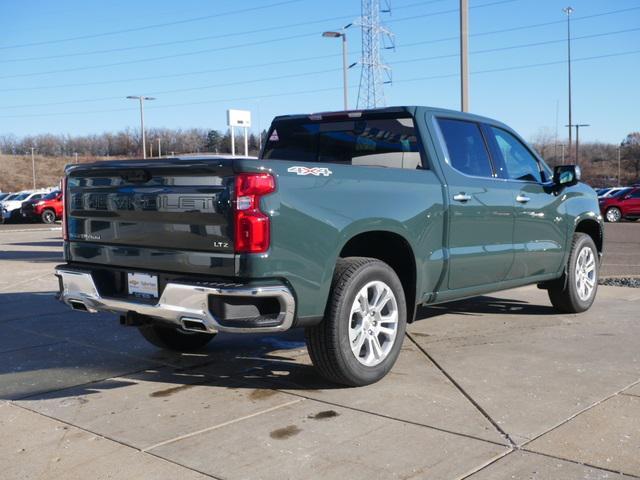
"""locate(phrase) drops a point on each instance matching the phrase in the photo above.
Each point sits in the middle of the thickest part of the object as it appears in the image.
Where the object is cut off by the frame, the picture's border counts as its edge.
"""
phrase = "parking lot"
(496, 387)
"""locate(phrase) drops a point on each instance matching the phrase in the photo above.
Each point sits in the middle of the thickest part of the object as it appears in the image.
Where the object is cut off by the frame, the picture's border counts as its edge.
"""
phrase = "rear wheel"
(613, 214)
(576, 290)
(360, 337)
(48, 216)
(170, 338)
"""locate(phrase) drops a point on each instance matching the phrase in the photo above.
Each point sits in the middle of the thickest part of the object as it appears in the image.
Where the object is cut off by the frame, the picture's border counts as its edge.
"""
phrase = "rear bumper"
(183, 305)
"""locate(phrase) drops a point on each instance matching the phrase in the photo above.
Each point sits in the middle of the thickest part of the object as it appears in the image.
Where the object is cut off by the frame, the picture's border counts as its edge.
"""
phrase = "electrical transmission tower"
(375, 38)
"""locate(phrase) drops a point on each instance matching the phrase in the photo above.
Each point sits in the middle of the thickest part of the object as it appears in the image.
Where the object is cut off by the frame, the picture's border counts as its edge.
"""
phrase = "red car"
(47, 209)
(623, 204)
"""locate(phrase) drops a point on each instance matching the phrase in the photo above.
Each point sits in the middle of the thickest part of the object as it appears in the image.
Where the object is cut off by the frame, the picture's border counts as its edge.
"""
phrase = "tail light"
(252, 225)
(65, 224)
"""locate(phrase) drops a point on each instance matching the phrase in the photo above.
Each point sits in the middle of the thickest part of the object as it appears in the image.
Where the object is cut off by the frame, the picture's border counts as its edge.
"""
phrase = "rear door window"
(380, 142)
(465, 146)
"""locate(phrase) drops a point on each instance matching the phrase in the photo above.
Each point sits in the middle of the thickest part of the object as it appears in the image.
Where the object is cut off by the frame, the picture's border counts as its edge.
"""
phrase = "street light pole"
(464, 55)
(159, 148)
(33, 167)
(142, 98)
(619, 148)
(568, 11)
(345, 81)
(578, 125)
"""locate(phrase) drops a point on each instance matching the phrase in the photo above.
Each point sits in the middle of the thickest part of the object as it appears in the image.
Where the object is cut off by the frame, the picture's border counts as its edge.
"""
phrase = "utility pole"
(75, 155)
(159, 148)
(568, 11)
(464, 55)
(345, 83)
(33, 167)
(142, 98)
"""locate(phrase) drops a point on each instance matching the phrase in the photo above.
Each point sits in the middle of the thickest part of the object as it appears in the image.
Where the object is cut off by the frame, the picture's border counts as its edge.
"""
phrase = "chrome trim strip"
(178, 301)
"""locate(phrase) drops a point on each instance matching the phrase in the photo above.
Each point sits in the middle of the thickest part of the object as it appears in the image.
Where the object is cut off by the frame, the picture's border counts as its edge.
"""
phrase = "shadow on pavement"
(54, 353)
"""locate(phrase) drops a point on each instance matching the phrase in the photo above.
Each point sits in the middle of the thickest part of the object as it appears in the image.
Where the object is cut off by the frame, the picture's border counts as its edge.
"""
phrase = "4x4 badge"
(317, 171)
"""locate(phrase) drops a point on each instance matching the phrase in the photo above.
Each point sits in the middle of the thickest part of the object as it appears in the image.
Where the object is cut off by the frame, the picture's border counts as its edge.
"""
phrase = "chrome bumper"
(180, 304)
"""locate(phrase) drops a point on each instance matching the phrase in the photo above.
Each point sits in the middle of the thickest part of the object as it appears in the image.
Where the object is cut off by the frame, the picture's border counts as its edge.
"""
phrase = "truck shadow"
(47, 351)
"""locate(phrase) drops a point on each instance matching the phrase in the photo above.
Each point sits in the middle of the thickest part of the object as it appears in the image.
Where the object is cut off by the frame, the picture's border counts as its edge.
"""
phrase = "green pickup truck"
(345, 224)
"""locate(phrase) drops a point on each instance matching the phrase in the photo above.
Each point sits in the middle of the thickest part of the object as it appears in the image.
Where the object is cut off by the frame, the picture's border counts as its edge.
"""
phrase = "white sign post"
(239, 118)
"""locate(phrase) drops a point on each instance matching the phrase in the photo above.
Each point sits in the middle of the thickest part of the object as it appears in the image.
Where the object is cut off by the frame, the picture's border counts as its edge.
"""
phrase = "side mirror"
(566, 175)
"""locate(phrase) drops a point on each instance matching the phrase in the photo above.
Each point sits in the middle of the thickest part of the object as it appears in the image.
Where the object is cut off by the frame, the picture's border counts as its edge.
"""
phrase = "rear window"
(380, 142)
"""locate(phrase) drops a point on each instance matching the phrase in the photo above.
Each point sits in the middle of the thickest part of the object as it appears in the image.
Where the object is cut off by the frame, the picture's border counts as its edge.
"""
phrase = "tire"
(48, 216)
(613, 215)
(346, 323)
(568, 294)
(170, 338)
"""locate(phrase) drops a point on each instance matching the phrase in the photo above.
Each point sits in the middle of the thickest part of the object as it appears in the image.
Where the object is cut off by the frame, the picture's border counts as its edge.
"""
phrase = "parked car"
(345, 224)
(3, 196)
(612, 191)
(624, 204)
(12, 205)
(47, 209)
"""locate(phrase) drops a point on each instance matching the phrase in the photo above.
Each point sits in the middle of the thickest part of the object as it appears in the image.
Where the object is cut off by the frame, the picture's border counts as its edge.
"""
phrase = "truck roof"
(410, 109)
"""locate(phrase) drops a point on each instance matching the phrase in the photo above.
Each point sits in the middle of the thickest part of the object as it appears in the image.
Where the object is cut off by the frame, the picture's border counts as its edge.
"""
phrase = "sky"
(66, 66)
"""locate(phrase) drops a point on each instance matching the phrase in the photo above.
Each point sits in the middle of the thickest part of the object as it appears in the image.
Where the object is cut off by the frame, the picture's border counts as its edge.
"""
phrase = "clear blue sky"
(53, 81)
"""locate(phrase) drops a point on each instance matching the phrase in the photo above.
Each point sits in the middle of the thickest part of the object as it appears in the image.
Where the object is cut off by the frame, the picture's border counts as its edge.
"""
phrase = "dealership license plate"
(143, 285)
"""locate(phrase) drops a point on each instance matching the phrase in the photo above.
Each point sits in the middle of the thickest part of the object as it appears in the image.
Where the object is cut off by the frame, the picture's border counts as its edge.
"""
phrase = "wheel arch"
(592, 227)
(393, 249)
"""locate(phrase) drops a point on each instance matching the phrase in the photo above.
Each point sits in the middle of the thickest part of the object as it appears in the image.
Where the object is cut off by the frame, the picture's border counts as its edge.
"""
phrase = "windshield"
(10, 197)
(21, 196)
(619, 192)
(52, 195)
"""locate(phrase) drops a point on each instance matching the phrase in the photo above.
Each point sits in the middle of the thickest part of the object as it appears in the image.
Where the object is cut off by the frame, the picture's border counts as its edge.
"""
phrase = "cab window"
(519, 162)
(465, 146)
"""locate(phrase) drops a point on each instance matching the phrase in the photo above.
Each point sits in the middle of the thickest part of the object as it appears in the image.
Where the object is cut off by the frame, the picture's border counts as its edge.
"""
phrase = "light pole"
(577, 125)
(568, 11)
(464, 55)
(142, 98)
(619, 148)
(345, 84)
(75, 155)
(159, 148)
(33, 167)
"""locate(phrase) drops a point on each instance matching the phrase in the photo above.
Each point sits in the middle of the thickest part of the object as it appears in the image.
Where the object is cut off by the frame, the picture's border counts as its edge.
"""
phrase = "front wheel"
(48, 216)
(576, 290)
(613, 215)
(360, 337)
(170, 338)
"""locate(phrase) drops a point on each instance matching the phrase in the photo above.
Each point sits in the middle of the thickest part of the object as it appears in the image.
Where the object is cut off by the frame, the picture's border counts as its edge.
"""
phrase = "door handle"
(461, 197)
(522, 199)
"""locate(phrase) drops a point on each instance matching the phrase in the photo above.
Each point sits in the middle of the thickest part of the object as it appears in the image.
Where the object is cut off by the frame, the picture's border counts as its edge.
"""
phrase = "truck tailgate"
(174, 210)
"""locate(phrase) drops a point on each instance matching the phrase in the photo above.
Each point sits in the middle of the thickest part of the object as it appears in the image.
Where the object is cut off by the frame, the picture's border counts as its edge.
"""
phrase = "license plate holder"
(142, 285)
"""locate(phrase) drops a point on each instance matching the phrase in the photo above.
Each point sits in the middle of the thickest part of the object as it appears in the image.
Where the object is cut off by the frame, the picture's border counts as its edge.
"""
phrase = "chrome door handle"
(522, 199)
(461, 197)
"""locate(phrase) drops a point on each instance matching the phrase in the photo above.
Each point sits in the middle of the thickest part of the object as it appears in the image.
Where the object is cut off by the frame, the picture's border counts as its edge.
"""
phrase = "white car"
(11, 205)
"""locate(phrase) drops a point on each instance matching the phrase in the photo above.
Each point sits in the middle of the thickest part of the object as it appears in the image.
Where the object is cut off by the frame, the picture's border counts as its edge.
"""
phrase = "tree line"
(126, 143)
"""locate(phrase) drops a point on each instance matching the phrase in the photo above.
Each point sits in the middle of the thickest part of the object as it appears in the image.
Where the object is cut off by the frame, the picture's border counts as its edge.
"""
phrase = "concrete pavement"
(496, 387)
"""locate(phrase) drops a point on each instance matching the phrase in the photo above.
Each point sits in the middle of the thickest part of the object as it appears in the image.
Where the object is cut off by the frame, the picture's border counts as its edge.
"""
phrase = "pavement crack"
(459, 387)
(105, 437)
(576, 462)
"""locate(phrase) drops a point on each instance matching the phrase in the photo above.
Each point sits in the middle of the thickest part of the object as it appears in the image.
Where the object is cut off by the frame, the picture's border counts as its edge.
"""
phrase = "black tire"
(48, 216)
(170, 338)
(328, 343)
(563, 293)
(613, 215)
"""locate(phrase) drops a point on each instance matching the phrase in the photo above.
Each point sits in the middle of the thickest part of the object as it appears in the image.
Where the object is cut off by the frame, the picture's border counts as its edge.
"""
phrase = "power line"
(217, 49)
(152, 26)
(217, 70)
(197, 39)
(279, 77)
(255, 97)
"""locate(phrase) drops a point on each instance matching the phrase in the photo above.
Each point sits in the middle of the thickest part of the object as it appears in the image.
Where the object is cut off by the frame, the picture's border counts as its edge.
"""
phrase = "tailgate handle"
(137, 176)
